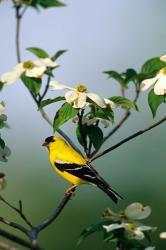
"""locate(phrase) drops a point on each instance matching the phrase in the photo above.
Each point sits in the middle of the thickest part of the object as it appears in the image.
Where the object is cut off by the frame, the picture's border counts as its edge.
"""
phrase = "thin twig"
(18, 240)
(23, 10)
(18, 23)
(45, 90)
(127, 139)
(83, 138)
(124, 118)
(18, 210)
(55, 214)
(14, 225)
(119, 125)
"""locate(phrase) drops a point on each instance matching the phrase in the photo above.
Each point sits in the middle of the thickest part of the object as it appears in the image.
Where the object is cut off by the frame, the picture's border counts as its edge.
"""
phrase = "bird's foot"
(71, 190)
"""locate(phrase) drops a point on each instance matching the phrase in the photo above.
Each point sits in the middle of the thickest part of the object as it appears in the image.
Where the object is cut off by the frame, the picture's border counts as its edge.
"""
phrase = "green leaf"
(58, 54)
(152, 66)
(3, 119)
(4, 154)
(109, 237)
(50, 3)
(65, 113)
(38, 52)
(49, 101)
(147, 236)
(123, 102)
(95, 135)
(2, 143)
(1, 85)
(155, 101)
(81, 134)
(130, 75)
(48, 72)
(92, 229)
(115, 75)
(32, 83)
(105, 113)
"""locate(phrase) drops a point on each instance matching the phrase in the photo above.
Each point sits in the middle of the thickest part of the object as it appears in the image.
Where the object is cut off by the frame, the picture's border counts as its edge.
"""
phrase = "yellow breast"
(71, 178)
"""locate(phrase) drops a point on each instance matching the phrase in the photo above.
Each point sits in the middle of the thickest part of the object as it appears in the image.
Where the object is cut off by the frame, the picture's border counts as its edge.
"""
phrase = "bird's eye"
(50, 139)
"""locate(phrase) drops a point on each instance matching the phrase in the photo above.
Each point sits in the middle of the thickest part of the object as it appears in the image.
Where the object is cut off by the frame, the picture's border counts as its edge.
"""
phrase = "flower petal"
(10, 77)
(163, 58)
(110, 103)
(35, 72)
(144, 228)
(160, 86)
(112, 227)
(163, 235)
(97, 99)
(81, 101)
(47, 62)
(71, 96)
(105, 123)
(137, 211)
(138, 235)
(150, 248)
(76, 99)
(146, 84)
(55, 85)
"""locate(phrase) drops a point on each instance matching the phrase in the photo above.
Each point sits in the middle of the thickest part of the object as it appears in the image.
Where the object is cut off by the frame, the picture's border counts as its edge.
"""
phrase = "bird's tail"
(109, 191)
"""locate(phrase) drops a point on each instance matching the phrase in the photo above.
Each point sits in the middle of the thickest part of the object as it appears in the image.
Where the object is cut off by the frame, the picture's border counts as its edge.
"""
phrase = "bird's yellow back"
(59, 150)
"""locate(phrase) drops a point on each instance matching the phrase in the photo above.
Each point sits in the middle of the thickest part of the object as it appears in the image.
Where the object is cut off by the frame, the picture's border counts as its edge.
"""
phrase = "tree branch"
(127, 139)
(18, 240)
(55, 214)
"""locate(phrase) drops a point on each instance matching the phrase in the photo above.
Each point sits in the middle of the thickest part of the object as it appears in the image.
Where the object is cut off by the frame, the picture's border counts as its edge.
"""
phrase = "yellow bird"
(73, 166)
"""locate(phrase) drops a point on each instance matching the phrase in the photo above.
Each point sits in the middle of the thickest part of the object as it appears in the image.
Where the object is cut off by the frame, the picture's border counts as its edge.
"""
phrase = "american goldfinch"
(70, 164)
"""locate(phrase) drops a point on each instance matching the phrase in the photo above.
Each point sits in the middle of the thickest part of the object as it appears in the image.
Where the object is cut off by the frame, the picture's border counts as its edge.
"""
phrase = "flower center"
(164, 71)
(28, 65)
(130, 226)
(81, 88)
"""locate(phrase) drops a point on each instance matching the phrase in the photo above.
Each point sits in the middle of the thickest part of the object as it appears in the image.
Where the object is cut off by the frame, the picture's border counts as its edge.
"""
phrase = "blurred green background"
(99, 36)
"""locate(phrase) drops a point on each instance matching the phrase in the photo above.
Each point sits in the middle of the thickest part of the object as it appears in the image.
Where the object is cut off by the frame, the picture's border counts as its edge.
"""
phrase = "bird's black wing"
(84, 172)
(87, 173)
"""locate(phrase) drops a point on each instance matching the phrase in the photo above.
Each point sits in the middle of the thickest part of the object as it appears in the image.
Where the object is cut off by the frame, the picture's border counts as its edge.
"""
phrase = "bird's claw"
(71, 190)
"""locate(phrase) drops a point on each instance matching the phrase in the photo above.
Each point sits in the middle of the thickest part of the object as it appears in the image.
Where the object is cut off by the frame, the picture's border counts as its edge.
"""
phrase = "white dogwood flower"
(159, 83)
(78, 96)
(30, 68)
(132, 231)
(136, 211)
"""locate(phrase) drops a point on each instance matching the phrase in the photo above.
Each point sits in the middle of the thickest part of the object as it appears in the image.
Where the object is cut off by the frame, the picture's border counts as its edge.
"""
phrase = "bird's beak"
(45, 144)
